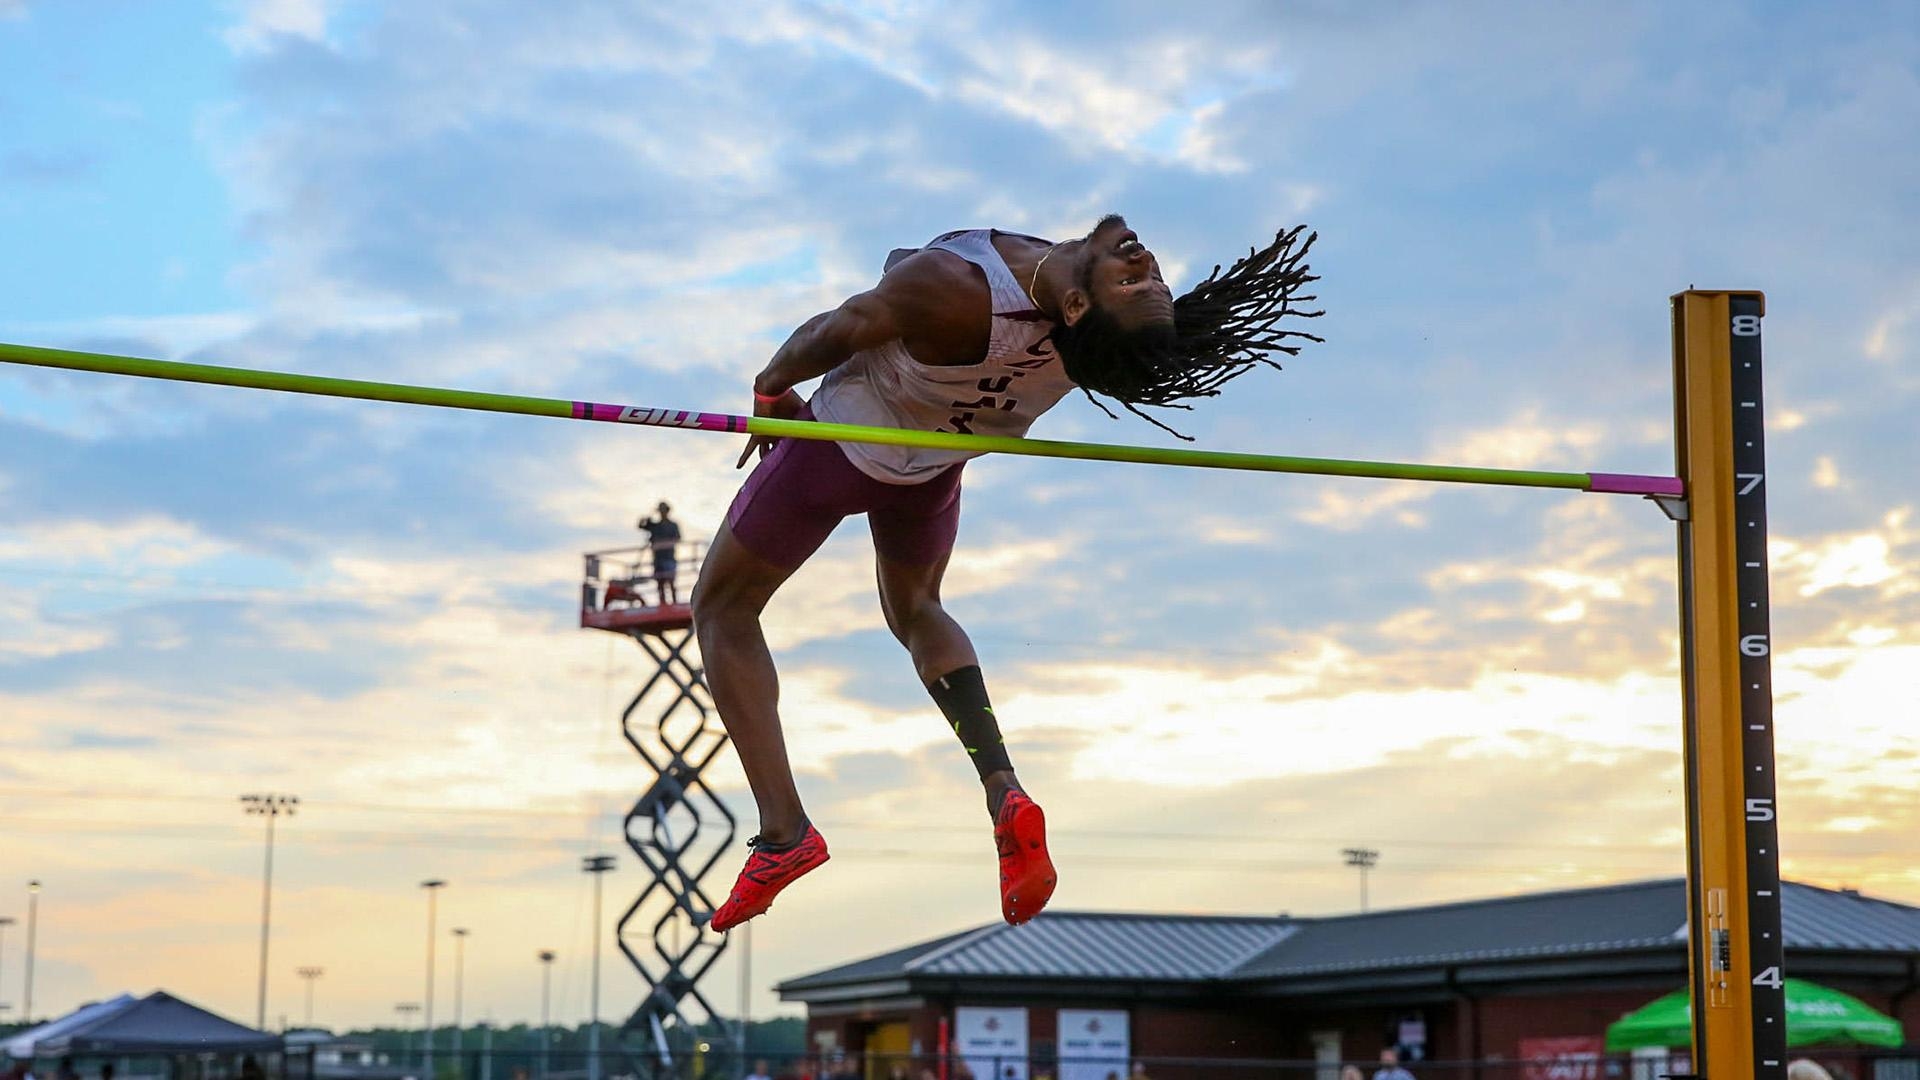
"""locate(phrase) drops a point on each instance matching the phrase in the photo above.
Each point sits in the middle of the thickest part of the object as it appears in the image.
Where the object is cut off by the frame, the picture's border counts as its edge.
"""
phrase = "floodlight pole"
(597, 865)
(459, 983)
(546, 1002)
(1363, 859)
(269, 806)
(406, 1009)
(33, 925)
(310, 974)
(433, 887)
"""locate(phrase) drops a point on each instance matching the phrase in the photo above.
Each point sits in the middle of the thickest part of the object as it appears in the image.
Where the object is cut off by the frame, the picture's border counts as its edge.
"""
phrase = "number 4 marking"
(1753, 481)
(1769, 976)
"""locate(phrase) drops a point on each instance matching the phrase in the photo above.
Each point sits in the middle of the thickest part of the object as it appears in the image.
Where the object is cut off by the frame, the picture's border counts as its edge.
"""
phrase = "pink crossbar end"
(1630, 484)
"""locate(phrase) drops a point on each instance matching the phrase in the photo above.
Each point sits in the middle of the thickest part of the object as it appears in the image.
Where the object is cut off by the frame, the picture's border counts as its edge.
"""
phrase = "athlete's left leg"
(912, 545)
(948, 667)
(912, 542)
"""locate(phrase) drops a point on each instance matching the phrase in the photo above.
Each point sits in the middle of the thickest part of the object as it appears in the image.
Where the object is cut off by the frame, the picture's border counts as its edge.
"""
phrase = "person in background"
(1390, 1066)
(663, 536)
(759, 1070)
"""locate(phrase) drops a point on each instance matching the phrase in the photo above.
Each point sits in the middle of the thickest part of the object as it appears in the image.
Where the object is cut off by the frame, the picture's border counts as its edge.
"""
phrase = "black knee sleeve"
(962, 697)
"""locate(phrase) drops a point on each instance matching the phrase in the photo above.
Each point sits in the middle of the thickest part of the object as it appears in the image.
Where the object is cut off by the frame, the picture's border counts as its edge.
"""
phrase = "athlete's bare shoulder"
(942, 304)
(937, 277)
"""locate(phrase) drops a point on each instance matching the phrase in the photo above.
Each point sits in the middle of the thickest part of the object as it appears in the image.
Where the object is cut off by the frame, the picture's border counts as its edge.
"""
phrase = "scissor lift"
(679, 828)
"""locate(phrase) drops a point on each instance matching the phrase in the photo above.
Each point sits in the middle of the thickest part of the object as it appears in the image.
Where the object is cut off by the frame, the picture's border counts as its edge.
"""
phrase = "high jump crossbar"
(1735, 955)
(176, 371)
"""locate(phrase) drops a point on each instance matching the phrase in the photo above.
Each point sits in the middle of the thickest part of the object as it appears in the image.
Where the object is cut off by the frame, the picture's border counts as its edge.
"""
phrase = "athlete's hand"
(785, 407)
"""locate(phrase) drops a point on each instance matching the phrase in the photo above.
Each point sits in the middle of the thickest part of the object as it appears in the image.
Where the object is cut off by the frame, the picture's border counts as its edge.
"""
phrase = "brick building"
(1506, 979)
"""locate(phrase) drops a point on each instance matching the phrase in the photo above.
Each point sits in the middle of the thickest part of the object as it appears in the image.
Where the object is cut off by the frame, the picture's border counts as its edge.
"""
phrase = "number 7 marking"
(1753, 481)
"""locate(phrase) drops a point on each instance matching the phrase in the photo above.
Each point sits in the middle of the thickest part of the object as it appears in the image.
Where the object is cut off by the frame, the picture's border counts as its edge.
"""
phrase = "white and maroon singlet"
(1020, 378)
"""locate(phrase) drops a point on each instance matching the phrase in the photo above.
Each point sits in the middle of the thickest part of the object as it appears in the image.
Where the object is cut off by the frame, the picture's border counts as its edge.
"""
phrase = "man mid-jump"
(979, 332)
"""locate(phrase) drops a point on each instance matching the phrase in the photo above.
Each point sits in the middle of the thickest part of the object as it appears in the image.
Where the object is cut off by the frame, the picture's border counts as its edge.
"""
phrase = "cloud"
(261, 22)
(1857, 562)
(27, 634)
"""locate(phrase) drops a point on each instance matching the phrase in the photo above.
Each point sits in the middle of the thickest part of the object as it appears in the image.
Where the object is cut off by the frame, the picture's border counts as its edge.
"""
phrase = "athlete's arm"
(821, 344)
(929, 292)
(935, 300)
(825, 341)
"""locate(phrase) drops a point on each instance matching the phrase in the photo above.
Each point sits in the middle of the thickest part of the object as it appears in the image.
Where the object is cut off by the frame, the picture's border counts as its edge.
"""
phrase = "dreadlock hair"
(1221, 328)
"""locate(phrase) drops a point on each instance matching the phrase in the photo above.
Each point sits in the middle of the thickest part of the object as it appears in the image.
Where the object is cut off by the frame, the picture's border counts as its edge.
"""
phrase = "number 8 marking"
(1746, 326)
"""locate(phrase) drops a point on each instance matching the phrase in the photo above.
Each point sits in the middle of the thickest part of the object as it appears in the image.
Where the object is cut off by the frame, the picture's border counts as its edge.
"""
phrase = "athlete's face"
(1122, 276)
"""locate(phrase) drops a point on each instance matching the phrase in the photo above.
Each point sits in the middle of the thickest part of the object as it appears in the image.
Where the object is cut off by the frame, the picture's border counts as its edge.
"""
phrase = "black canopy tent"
(158, 1024)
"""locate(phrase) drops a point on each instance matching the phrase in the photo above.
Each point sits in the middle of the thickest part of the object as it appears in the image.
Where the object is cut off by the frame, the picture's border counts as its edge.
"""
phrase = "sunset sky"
(1214, 682)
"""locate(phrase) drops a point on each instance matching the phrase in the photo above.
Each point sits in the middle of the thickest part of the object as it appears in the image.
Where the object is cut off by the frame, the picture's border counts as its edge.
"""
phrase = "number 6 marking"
(1753, 645)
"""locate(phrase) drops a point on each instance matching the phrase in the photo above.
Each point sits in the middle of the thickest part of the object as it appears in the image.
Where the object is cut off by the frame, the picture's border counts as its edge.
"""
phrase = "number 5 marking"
(1759, 809)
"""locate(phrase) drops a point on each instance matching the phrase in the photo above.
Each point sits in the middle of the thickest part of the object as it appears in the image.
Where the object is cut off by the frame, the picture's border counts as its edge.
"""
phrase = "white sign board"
(993, 1042)
(1093, 1043)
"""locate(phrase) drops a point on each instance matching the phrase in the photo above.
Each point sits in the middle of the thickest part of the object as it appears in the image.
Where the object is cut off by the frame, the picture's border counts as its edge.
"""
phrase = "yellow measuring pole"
(1733, 885)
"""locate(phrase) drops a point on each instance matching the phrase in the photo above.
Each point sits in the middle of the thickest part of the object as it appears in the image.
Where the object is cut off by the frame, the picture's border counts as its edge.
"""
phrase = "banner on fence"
(993, 1042)
(1572, 1058)
(1093, 1044)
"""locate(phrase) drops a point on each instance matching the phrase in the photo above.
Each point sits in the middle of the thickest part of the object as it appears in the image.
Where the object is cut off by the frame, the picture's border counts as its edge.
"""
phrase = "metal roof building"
(1572, 933)
(1608, 949)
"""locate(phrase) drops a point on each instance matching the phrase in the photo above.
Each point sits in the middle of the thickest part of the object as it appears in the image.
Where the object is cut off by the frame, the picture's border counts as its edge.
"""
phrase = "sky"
(1214, 682)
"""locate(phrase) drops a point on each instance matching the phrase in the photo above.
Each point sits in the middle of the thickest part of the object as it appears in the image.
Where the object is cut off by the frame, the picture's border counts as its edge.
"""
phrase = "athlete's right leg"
(733, 589)
(782, 515)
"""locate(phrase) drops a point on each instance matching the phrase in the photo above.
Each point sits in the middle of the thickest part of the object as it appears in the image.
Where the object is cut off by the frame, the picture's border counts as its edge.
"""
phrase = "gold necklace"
(1035, 283)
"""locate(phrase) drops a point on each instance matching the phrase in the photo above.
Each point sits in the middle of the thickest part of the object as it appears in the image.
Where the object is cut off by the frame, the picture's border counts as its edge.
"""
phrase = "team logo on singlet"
(994, 391)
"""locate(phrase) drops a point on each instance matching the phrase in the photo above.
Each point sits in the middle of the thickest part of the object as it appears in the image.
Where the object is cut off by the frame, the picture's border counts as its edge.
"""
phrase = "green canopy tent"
(1816, 1016)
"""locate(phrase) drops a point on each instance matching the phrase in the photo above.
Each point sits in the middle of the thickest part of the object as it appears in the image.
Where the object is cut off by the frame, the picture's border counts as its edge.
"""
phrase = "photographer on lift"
(663, 535)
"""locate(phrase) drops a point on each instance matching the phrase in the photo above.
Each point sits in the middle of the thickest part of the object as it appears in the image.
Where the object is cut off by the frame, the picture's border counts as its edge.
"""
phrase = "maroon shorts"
(801, 490)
